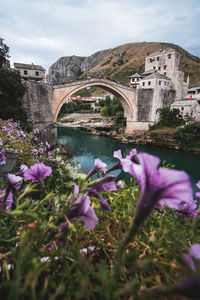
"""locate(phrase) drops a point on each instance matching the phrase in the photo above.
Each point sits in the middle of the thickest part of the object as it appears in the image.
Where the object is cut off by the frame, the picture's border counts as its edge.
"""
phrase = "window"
(158, 68)
(37, 73)
(154, 68)
(25, 72)
(165, 82)
(182, 108)
(165, 67)
(149, 82)
(158, 58)
(159, 82)
(165, 73)
(143, 83)
(169, 56)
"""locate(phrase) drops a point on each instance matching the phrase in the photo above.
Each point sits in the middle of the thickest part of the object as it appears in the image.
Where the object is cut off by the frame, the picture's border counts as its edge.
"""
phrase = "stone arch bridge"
(42, 102)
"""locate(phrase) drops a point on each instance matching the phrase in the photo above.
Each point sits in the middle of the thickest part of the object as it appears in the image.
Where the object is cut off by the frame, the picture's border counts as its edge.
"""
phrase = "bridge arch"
(63, 91)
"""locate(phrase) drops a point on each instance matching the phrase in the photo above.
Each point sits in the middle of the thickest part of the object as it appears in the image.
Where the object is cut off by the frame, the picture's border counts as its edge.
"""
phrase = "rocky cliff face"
(119, 63)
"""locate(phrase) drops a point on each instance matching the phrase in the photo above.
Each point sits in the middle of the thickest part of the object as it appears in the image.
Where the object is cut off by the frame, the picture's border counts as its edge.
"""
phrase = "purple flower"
(84, 211)
(22, 133)
(193, 253)
(1, 143)
(35, 138)
(23, 168)
(48, 154)
(36, 130)
(9, 199)
(163, 186)
(104, 184)
(189, 287)
(38, 172)
(119, 185)
(35, 152)
(14, 180)
(123, 162)
(41, 150)
(98, 166)
(2, 157)
(198, 193)
(188, 208)
(47, 145)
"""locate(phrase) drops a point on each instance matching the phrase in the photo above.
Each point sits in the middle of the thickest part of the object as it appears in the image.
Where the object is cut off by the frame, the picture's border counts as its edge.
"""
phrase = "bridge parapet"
(93, 80)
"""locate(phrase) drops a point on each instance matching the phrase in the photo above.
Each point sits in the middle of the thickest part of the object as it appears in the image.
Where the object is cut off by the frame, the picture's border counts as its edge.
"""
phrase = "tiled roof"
(157, 75)
(28, 66)
(148, 72)
(161, 51)
(194, 89)
(136, 75)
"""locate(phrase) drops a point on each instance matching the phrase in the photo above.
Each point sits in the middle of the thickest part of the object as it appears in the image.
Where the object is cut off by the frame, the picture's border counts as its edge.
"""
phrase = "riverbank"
(166, 137)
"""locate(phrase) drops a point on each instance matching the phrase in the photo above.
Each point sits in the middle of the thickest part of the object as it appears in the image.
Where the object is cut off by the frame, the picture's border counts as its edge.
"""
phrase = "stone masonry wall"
(37, 103)
(144, 103)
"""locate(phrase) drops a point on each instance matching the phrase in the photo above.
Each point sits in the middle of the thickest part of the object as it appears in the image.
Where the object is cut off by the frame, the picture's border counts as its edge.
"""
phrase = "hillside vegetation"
(120, 62)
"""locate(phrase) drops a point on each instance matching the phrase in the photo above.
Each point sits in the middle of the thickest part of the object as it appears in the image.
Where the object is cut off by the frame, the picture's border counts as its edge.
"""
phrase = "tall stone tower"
(166, 62)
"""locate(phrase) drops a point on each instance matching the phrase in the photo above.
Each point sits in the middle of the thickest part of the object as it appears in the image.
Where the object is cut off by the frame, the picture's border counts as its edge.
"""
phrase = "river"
(85, 147)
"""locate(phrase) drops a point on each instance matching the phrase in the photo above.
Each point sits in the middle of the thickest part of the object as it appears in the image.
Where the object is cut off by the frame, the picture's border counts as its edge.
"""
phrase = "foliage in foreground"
(168, 118)
(189, 135)
(11, 90)
(119, 253)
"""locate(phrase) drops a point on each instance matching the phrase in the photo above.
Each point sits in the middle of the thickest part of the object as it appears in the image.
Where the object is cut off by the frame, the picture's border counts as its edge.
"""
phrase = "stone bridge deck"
(92, 81)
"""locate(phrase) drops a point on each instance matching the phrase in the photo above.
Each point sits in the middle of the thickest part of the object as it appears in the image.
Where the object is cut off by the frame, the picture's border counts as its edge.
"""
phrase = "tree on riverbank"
(113, 109)
(11, 89)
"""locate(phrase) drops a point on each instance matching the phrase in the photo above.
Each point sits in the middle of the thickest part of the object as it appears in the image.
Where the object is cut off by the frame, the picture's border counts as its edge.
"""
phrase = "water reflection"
(86, 147)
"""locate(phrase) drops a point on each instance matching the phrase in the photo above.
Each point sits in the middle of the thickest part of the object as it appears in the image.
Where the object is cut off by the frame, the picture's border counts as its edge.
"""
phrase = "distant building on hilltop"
(30, 71)
(162, 85)
(162, 72)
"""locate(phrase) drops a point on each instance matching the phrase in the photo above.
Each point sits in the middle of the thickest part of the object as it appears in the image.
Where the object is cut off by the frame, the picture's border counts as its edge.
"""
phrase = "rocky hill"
(119, 63)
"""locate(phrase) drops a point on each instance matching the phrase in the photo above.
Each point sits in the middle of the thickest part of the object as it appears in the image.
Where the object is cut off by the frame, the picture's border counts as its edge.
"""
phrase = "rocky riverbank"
(160, 137)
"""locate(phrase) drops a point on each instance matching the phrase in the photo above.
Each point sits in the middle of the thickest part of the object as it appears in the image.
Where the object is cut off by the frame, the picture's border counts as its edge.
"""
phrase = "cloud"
(45, 30)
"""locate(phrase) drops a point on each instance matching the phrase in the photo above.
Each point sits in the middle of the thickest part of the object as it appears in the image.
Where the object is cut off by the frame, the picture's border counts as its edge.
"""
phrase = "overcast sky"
(41, 31)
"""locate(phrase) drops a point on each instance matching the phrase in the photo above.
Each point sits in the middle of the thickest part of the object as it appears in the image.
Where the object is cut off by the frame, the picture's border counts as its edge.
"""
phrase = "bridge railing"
(92, 80)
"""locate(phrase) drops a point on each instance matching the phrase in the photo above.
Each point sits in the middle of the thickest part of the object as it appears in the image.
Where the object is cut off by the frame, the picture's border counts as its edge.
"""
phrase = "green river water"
(85, 147)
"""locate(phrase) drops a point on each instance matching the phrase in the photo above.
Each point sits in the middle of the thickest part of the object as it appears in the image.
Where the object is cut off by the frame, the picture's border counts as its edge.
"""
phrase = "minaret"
(188, 81)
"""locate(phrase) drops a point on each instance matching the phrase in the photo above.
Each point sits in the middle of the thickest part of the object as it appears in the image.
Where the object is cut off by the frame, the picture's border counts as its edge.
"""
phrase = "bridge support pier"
(136, 126)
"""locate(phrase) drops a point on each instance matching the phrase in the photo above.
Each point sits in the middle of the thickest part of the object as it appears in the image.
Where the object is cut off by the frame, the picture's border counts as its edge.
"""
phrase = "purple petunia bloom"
(9, 199)
(123, 162)
(23, 168)
(190, 286)
(98, 166)
(198, 193)
(35, 151)
(47, 145)
(83, 210)
(35, 138)
(193, 253)
(162, 186)
(38, 172)
(104, 184)
(1, 143)
(2, 157)
(14, 181)
(36, 130)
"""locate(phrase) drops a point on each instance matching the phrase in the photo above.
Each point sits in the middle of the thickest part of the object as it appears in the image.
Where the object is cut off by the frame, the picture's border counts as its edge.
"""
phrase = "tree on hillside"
(11, 89)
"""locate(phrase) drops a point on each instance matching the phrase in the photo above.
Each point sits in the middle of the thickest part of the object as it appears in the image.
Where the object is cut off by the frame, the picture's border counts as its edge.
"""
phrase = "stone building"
(30, 71)
(162, 71)
(162, 85)
(189, 106)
